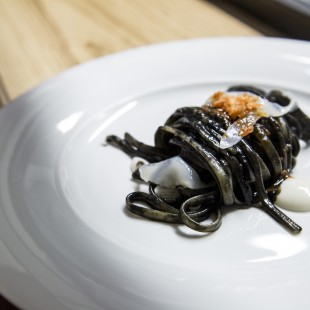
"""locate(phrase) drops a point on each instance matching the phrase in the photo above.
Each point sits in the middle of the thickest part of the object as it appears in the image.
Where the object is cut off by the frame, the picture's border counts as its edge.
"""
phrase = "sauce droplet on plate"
(295, 195)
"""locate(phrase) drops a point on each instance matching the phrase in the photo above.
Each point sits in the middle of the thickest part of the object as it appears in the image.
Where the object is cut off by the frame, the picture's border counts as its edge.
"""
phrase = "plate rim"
(67, 73)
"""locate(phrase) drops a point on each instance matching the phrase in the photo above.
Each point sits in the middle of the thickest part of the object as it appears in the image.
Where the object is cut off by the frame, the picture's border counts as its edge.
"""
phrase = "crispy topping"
(242, 110)
(237, 106)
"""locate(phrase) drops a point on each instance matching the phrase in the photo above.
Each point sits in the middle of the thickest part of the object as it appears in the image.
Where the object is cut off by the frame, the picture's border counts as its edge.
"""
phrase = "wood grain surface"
(40, 38)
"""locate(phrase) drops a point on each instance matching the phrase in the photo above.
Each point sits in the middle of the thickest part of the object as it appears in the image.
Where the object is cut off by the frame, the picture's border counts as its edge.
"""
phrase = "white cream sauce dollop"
(169, 173)
(295, 195)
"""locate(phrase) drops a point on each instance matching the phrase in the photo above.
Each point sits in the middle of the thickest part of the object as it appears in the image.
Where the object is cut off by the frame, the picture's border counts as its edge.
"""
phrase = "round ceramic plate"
(66, 239)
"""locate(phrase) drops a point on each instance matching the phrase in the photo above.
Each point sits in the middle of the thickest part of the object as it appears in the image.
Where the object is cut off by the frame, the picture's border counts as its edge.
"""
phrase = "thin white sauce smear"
(295, 195)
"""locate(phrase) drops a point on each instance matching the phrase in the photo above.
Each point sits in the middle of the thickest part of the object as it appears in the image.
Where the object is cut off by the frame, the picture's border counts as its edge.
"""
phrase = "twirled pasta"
(248, 173)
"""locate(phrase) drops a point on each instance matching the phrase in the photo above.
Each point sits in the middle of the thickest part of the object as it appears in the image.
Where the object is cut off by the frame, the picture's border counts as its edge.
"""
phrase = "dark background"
(281, 18)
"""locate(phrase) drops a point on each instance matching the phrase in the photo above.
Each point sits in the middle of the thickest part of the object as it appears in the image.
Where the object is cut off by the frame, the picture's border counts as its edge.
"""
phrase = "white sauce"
(170, 173)
(136, 163)
(295, 195)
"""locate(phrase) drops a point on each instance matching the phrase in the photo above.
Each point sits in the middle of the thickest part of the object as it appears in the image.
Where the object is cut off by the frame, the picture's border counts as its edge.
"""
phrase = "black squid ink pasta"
(246, 173)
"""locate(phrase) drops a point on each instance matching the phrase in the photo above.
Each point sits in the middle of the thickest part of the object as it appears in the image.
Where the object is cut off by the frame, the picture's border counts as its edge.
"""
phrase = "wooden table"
(40, 38)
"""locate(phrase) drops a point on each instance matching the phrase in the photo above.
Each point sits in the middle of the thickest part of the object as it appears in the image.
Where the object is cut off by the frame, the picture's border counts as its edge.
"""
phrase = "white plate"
(66, 241)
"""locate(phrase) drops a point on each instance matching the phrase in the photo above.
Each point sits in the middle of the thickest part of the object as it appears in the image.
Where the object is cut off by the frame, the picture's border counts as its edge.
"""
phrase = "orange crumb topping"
(237, 106)
(245, 127)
